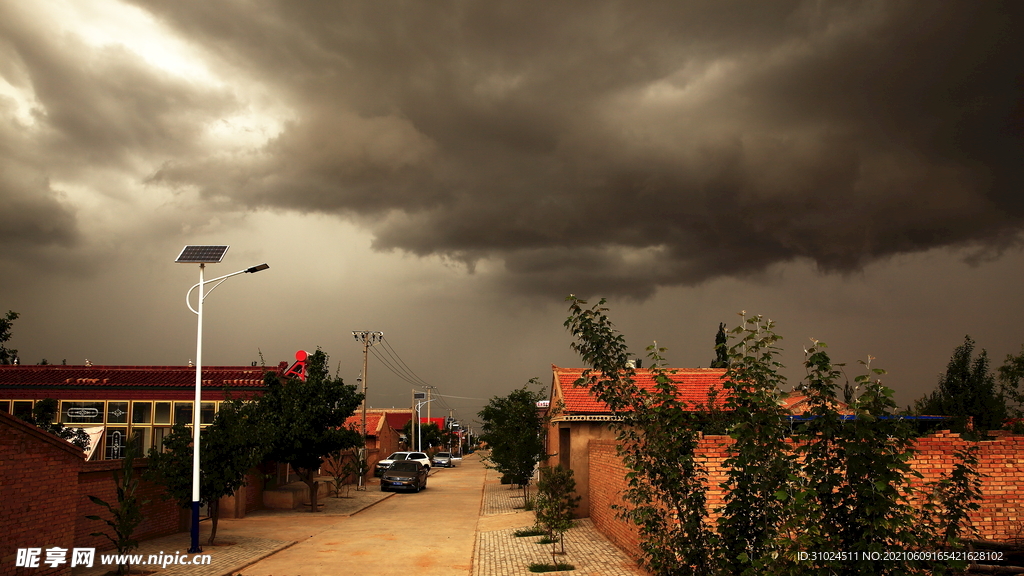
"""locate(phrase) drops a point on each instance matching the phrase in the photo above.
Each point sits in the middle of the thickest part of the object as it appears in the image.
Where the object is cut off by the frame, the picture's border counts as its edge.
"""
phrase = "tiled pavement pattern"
(499, 499)
(224, 559)
(500, 553)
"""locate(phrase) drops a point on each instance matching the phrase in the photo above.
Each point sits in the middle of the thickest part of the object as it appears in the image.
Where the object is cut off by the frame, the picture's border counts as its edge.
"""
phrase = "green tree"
(229, 447)
(514, 432)
(657, 435)
(721, 348)
(853, 492)
(306, 419)
(760, 461)
(1011, 386)
(556, 502)
(966, 392)
(7, 355)
(428, 432)
(127, 516)
(43, 415)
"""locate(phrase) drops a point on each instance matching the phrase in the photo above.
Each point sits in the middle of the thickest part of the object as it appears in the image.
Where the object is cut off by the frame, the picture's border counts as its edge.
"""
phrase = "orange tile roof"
(355, 422)
(693, 385)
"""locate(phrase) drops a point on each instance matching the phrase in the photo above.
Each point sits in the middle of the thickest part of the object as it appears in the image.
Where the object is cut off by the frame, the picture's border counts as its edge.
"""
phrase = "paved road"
(428, 534)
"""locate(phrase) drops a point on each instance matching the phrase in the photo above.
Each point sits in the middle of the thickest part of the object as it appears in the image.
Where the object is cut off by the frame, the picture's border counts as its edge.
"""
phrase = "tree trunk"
(307, 477)
(214, 509)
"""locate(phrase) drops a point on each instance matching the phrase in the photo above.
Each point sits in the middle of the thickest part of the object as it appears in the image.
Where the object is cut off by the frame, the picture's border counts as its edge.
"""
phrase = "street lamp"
(202, 255)
(419, 427)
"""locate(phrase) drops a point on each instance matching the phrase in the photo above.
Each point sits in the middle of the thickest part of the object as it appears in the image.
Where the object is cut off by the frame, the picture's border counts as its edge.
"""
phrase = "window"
(142, 412)
(183, 412)
(5, 406)
(159, 433)
(22, 409)
(116, 440)
(78, 412)
(207, 411)
(117, 412)
(162, 413)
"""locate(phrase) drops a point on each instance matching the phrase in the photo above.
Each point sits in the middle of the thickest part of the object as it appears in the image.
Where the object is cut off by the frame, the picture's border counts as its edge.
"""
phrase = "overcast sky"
(447, 172)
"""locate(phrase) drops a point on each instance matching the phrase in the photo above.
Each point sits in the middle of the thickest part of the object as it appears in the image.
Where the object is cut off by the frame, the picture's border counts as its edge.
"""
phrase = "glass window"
(207, 411)
(142, 412)
(116, 439)
(183, 412)
(159, 433)
(81, 412)
(5, 406)
(143, 437)
(22, 408)
(162, 414)
(117, 412)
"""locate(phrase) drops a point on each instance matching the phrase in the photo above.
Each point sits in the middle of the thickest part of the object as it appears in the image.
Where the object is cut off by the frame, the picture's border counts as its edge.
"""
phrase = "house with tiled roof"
(577, 417)
(114, 403)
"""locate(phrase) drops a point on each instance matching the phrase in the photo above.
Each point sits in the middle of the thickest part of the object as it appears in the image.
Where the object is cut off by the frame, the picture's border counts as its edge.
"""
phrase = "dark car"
(404, 475)
(443, 460)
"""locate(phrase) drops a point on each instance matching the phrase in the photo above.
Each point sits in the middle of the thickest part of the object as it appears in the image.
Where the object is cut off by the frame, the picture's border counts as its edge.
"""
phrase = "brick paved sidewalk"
(499, 552)
(223, 559)
(234, 550)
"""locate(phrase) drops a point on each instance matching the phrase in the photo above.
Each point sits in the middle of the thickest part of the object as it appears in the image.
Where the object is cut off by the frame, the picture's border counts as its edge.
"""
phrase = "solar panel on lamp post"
(202, 255)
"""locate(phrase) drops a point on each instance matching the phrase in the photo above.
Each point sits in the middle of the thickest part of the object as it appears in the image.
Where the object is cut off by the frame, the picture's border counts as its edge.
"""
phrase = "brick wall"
(97, 479)
(44, 488)
(607, 483)
(1001, 516)
(38, 496)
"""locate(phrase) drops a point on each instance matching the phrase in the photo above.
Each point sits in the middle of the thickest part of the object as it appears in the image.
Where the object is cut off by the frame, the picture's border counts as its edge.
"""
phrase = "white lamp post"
(419, 427)
(202, 255)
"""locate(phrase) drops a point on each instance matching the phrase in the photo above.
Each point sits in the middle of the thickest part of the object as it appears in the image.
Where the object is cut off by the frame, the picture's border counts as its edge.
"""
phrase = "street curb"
(240, 567)
(372, 504)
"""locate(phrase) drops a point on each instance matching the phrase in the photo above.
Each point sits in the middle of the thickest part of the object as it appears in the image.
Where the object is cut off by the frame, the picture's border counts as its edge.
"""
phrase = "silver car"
(444, 460)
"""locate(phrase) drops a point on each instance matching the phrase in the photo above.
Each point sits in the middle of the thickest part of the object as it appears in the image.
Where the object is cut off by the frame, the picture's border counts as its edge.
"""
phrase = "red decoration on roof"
(121, 377)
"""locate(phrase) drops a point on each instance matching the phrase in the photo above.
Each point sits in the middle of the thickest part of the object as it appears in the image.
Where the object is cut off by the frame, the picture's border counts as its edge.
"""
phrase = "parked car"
(444, 460)
(383, 465)
(404, 475)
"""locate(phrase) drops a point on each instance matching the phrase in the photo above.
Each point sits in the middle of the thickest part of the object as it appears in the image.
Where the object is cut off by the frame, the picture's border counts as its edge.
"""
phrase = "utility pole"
(429, 388)
(368, 339)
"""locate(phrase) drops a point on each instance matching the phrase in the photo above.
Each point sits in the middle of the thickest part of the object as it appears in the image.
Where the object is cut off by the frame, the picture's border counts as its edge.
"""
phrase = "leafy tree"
(306, 419)
(966, 391)
(43, 415)
(429, 432)
(229, 447)
(127, 516)
(556, 502)
(854, 490)
(1011, 384)
(657, 437)
(7, 355)
(514, 431)
(760, 463)
(721, 348)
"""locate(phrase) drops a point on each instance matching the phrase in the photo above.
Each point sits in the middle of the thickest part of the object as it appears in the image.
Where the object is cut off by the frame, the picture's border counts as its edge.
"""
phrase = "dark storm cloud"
(629, 145)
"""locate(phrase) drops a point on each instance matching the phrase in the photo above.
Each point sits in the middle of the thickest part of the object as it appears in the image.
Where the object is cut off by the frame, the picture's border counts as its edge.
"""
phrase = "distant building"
(576, 417)
(112, 403)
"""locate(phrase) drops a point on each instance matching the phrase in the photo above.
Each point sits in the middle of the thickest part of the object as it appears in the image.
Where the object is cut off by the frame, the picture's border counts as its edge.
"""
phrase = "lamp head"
(257, 268)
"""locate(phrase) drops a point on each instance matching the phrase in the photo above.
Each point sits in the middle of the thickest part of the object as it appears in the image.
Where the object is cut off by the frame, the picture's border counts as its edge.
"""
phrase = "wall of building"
(38, 494)
(44, 488)
(160, 516)
(568, 444)
(1001, 516)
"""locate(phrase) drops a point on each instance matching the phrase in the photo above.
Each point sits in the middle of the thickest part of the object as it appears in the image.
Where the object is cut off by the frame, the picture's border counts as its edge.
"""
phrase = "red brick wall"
(1002, 461)
(38, 497)
(607, 483)
(97, 479)
(254, 483)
